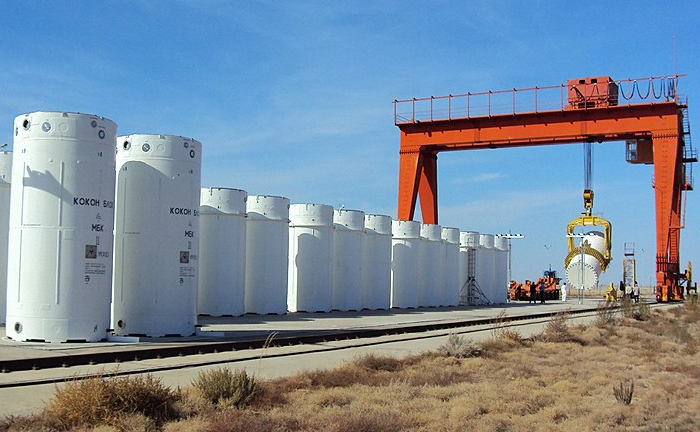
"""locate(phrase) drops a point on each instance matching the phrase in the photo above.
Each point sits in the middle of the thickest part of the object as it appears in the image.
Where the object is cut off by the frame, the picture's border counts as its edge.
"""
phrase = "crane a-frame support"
(659, 122)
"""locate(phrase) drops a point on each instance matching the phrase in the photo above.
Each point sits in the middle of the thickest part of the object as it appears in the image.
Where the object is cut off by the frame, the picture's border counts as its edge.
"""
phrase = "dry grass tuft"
(126, 402)
(226, 387)
(624, 391)
(503, 339)
(691, 309)
(373, 362)
(459, 347)
(557, 330)
(642, 312)
(606, 315)
(627, 308)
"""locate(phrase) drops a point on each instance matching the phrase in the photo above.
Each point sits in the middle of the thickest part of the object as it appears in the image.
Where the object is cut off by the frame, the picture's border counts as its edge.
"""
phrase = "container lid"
(450, 235)
(431, 232)
(405, 229)
(469, 239)
(500, 243)
(47, 125)
(267, 207)
(379, 224)
(351, 220)
(319, 215)
(222, 201)
(144, 146)
(486, 241)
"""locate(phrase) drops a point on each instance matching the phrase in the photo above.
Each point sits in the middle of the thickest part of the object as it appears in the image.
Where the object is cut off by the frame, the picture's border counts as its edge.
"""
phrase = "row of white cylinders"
(247, 265)
(242, 254)
(313, 258)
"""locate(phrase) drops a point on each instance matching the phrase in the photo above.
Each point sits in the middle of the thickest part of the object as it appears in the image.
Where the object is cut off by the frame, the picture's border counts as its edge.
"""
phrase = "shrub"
(691, 309)
(221, 385)
(373, 362)
(110, 401)
(623, 393)
(627, 307)
(459, 347)
(556, 329)
(642, 312)
(606, 315)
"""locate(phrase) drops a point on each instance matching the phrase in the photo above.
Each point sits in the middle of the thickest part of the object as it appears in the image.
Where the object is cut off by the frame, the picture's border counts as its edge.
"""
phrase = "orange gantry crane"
(648, 114)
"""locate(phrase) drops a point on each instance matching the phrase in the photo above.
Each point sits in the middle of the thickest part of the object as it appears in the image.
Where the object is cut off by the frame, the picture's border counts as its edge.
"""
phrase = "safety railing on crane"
(529, 100)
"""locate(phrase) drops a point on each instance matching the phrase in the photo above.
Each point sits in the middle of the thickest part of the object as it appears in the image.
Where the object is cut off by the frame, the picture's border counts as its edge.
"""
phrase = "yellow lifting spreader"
(587, 219)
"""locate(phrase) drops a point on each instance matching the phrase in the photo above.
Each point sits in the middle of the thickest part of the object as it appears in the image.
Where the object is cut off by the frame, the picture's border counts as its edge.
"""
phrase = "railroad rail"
(272, 339)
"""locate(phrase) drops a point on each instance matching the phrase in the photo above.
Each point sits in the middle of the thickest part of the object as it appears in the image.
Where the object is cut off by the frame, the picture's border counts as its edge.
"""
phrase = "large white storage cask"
(267, 254)
(376, 262)
(61, 221)
(222, 227)
(310, 257)
(348, 237)
(449, 295)
(405, 260)
(429, 282)
(156, 247)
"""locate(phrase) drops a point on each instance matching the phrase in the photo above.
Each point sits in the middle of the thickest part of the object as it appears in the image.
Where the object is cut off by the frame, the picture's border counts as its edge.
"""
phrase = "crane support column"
(668, 184)
(418, 179)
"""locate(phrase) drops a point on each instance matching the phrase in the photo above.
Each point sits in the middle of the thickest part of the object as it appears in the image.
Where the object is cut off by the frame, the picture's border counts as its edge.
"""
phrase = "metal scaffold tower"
(629, 266)
(471, 294)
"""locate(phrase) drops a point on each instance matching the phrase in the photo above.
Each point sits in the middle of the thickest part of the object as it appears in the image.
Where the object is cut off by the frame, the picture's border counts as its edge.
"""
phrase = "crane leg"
(668, 186)
(418, 179)
(427, 189)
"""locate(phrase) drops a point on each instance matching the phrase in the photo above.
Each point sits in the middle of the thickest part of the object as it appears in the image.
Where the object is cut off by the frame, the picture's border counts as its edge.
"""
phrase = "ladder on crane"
(690, 155)
(471, 293)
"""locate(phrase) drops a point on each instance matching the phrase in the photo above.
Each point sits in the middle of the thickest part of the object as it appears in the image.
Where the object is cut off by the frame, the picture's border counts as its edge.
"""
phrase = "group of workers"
(533, 292)
(627, 291)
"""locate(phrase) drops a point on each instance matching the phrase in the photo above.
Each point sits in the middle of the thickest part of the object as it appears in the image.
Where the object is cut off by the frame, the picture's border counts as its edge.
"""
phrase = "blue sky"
(294, 98)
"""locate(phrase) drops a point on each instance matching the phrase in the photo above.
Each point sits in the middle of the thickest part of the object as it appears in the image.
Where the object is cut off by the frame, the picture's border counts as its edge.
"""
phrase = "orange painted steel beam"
(421, 141)
(668, 186)
(427, 187)
(553, 127)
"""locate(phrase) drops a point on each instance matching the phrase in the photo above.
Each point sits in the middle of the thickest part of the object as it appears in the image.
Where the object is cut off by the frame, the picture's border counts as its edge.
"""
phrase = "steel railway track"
(362, 337)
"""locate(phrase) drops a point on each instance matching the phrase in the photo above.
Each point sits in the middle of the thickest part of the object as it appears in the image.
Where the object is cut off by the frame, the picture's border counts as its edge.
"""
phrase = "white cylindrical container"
(61, 222)
(584, 271)
(5, 174)
(449, 295)
(468, 265)
(429, 283)
(222, 228)
(348, 236)
(596, 240)
(376, 262)
(485, 272)
(500, 280)
(156, 247)
(469, 239)
(267, 254)
(405, 260)
(310, 257)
